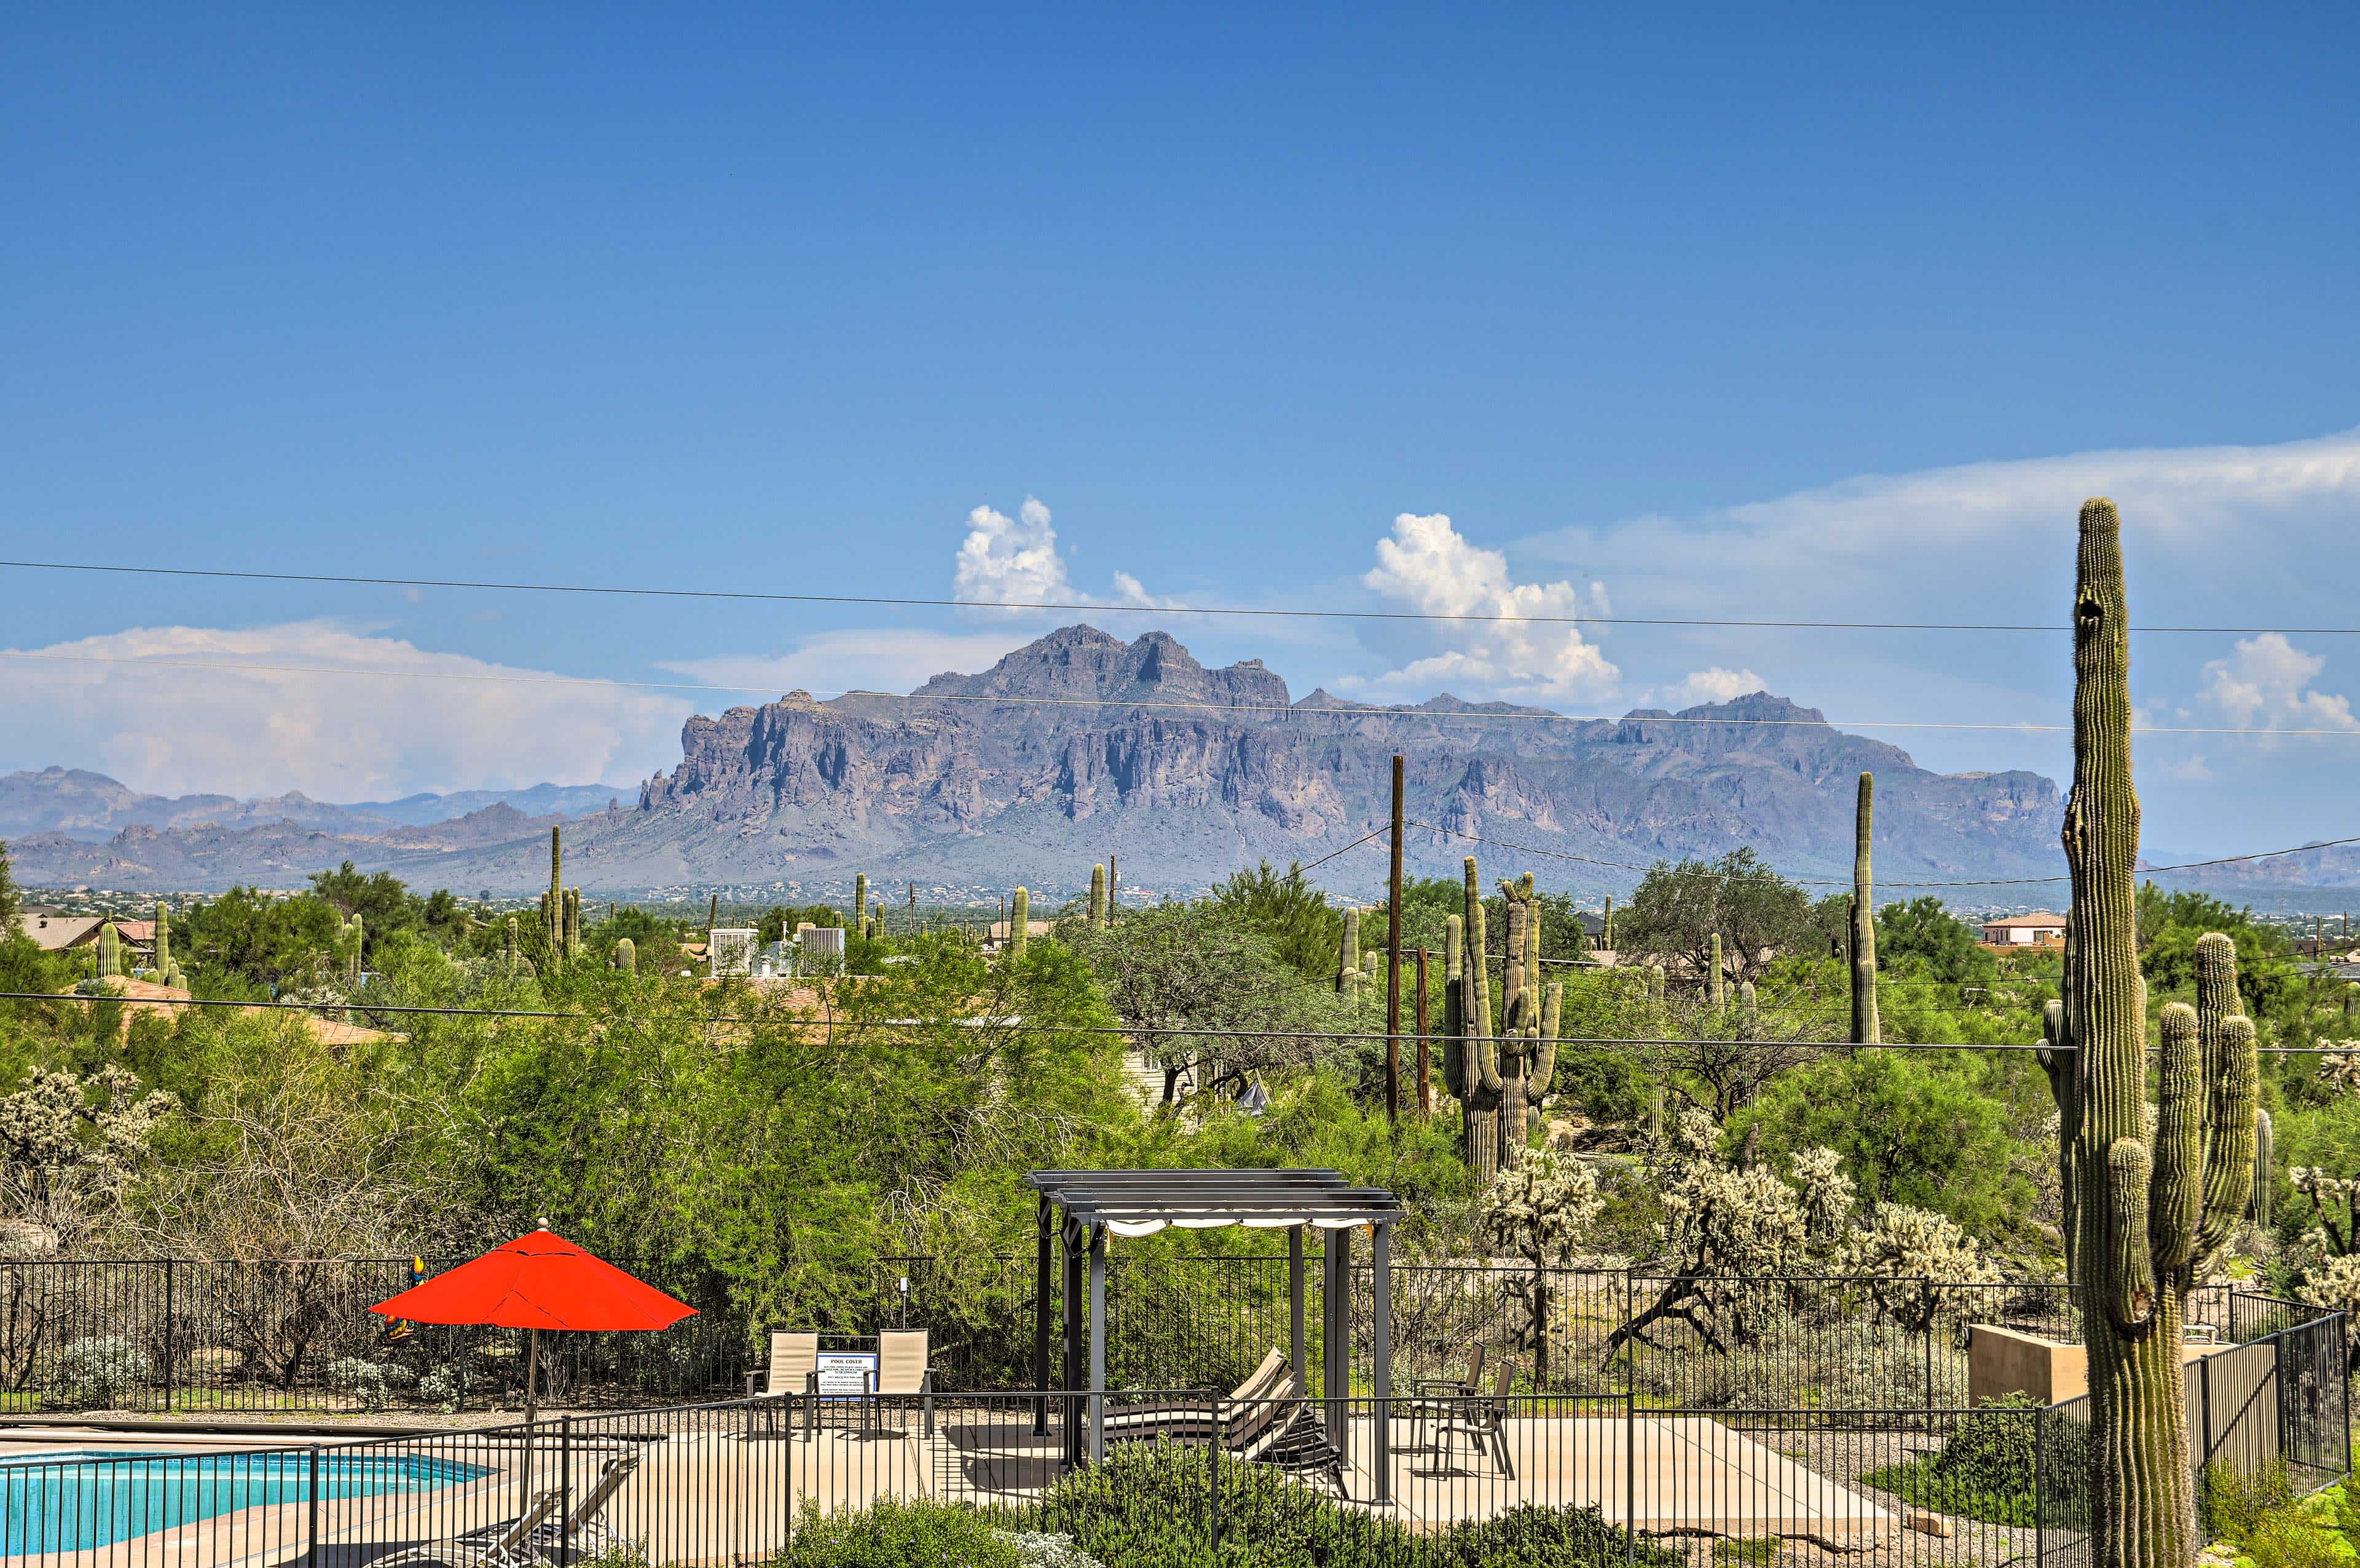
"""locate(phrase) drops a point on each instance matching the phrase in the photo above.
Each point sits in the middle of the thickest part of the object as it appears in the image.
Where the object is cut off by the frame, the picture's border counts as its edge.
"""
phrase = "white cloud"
(1011, 560)
(2265, 683)
(1015, 561)
(117, 702)
(1716, 685)
(893, 660)
(1428, 566)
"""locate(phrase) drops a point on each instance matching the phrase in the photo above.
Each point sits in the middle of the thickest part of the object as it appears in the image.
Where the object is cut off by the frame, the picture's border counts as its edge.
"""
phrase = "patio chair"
(504, 1545)
(903, 1373)
(1195, 1420)
(1288, 1435)
(585, 1533)
(793, 1374)
(1483, 1422)
(1439, 1396)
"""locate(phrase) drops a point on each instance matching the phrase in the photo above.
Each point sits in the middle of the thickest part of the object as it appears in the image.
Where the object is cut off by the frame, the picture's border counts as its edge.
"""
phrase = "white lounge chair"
(504, 1545)
(903, 1373)
(585, 1533)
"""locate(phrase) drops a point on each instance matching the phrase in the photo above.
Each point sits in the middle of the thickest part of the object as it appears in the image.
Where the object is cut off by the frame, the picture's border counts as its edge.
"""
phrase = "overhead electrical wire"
(1017, 1025)
(357, 581)
(1271, 709)
(1833, 882)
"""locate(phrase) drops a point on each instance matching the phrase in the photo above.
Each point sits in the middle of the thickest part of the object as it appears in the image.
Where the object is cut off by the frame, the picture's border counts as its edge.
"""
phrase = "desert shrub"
(1986, 1471)
(2230, 1502)
(895, 1533)
(1148, 1507)
(442, 1386)
(371, 1384)
(97, 1372)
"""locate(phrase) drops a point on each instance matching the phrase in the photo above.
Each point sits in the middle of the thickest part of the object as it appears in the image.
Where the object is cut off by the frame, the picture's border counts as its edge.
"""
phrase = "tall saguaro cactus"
(2143, 1211)
(163, 940)
(1348, 953)
(626, 955)
(1606, 934)
(110, 951)
(1098, 893)
(1526, 1052)
(1478, 1099)
(1866, 1028)
(860, 903)
(1020, 921)
(1716, 983)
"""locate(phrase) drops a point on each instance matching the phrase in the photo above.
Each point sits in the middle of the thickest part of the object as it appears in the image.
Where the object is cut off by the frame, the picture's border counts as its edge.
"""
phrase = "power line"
(749, 595)
(1017, 1026)
(1270, 710)
(1833, 882)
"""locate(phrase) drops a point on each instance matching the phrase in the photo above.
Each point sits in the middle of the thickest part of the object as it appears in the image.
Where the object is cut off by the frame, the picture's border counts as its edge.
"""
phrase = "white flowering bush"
(97, 1373)
(370, 1384)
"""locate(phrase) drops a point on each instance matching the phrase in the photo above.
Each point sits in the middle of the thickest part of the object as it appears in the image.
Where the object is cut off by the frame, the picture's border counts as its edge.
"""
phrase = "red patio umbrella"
(537, 1281)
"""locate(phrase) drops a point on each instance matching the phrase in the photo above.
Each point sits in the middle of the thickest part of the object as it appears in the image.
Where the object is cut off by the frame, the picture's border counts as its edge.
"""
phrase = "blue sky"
(1818, 314)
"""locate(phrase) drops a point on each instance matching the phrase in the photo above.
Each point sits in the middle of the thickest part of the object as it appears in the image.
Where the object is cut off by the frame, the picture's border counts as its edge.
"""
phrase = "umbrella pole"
(531, 1409)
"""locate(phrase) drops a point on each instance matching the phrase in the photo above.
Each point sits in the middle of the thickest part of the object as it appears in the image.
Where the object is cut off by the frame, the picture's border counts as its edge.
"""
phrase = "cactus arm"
(1454, 1013)
(1543, 1068)
(2178, 1196)
(1482, 1066)
(2229, 1172)
(2262, 1166)
(2130, 1277)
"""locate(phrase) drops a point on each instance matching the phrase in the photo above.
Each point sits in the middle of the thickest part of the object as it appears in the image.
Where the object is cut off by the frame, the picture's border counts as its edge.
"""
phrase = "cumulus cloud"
(868, 661)
(310, 711)
(1426, 565)
(1011, 560)
(2265, 683)
(1716, 685)
(1015, 561)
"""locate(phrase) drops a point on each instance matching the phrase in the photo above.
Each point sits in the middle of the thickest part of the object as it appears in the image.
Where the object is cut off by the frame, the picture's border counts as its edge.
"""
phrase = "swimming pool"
(67, 1502)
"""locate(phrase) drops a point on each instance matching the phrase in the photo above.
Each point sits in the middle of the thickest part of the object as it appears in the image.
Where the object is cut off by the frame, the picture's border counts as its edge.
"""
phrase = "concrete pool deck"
(720, 1494)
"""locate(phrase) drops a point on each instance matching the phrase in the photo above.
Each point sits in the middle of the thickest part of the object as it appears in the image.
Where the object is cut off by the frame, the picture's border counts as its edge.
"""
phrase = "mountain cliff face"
(1080, 745)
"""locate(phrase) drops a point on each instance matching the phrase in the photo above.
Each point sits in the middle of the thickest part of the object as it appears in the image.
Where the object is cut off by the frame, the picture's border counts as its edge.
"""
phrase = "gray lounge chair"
(585, 1533)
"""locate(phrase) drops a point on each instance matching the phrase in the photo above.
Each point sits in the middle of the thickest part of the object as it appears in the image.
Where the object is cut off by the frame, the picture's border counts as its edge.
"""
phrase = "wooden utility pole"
(1424, 1047)
(1392, 962)
(914, 908)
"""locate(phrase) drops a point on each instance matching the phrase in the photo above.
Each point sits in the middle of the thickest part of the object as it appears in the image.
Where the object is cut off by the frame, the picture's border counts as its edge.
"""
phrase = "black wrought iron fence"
(176, 1335)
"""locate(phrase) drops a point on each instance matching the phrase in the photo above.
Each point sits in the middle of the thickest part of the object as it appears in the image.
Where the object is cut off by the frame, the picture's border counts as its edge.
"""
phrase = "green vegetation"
(1984, 1472)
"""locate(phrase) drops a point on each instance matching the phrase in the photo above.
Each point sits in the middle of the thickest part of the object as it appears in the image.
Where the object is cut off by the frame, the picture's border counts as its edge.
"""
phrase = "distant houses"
(2040, 928)
(53, 930)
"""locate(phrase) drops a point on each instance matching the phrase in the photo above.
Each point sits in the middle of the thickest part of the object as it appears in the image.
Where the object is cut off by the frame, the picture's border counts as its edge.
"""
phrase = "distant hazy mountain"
(91, 806)
(1078, 746)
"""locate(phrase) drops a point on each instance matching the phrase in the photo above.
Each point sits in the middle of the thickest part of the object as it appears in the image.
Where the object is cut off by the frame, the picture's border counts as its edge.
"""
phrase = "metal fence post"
(565, 1491)
(311, 1536)
(2040, 1419)
(1630, 1469)
(169, 1340)
(1213, 1482)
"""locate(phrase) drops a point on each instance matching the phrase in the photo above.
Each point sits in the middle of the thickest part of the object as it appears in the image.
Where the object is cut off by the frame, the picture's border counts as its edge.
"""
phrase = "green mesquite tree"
(1020, 921)
(1866, 1028)
(2141, 1218)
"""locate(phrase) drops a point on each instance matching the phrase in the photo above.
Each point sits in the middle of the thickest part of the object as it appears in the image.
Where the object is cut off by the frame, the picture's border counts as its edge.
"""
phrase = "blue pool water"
(65, 1502)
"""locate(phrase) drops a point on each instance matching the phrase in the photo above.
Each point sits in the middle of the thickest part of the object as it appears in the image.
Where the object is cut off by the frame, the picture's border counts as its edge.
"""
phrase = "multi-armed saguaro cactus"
(2144, 1211)
(163, 940)
(626, 955)
(1866, 1029)
(1020, 921)
(1098, 893)
(1478, 1101)
(110, 951)
(1521, 1026)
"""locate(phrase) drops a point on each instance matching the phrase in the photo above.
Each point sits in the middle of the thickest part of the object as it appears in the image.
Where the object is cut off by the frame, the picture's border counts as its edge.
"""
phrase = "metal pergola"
(1097, 1205)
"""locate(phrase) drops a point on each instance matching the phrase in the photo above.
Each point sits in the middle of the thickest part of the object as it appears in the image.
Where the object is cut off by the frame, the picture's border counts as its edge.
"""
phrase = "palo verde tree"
(2143, 1211)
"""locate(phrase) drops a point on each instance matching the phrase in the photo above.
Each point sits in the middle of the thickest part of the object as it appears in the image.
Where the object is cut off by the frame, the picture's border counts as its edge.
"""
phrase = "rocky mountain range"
(1079, 746)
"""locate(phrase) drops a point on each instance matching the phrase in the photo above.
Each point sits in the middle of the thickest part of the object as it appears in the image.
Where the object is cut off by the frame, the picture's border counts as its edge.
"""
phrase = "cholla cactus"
(1540, 1210)
(1907, 1254)
(2328, 1236)
(2340, 1070)
(1828, 1193)
(2333, 1282)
